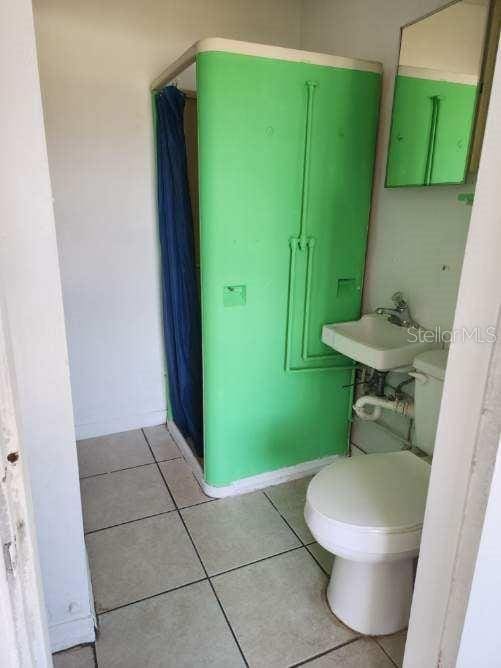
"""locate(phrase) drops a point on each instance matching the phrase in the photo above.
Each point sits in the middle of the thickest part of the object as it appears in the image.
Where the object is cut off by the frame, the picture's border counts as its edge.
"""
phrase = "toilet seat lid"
(377, 493)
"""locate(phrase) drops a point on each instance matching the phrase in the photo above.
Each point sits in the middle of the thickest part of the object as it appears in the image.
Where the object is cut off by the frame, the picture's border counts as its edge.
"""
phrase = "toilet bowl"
(368, 511)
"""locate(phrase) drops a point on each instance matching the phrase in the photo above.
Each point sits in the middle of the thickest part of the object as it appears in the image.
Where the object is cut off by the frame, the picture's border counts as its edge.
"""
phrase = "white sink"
(375, 342)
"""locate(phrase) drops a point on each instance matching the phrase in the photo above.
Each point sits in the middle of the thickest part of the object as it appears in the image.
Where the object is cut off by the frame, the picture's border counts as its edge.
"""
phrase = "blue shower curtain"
(181, 307)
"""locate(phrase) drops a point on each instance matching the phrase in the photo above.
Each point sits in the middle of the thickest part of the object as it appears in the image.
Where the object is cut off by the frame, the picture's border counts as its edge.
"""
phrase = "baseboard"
(71, 632)
(251, 483)
(186, 451)
(91, 592)
(122, 423)
(268, 479)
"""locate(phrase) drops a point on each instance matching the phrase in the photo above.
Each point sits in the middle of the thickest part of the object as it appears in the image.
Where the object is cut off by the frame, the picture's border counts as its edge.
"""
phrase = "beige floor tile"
(114, 498)
(278, 610)
(111, 453)
(289, 498)
(182, 629)
(182, 483)
(79, 657)
(162, 443)
(140, 559)
(394, 646)
(238, 530)
(324, 558)
(363, 653)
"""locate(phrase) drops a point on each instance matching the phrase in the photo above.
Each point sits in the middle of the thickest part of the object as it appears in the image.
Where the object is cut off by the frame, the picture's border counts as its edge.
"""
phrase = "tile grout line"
(128, 468)
(147, 598)
(285, 520)
(316, 560)
(199, 485)
(386, 653)
(305, 545)
(257, 561)
(199, 558)
(176, 507)
(146, 517)
(211, 584)
(321, 654)
(90, 532)
(162, 461)
(190, 468)
(359, 447)
(77, 648)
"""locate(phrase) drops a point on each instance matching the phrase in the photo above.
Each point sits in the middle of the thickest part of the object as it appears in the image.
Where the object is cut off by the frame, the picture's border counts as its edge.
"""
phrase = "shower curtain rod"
(178, 66)
(259, 50)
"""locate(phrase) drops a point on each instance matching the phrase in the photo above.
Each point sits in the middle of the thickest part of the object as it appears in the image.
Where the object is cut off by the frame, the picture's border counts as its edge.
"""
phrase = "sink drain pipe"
(401, 407)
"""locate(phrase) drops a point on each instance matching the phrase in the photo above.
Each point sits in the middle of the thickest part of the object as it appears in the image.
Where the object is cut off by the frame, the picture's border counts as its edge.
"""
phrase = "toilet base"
(373, 598)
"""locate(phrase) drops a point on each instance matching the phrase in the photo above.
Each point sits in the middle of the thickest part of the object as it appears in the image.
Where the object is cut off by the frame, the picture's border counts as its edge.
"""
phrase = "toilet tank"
(430, 372)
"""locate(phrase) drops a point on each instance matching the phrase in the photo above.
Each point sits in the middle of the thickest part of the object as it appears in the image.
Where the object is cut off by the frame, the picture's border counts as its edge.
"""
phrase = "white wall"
(416, 235)
(97, 60)
(30, 292)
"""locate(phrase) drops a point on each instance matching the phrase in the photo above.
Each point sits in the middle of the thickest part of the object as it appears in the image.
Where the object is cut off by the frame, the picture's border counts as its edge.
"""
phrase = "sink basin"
(375, 342)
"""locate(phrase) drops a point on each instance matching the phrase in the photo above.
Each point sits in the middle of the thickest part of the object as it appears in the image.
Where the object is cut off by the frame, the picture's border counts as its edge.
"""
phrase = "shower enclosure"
(286, 144)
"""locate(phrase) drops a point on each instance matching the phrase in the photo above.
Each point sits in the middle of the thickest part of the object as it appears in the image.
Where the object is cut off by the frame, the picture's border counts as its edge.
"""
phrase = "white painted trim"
(480, 639)
(71, 632)
(186, 451)
(437, 75)
(251, 483)
(262, 51)
(24, 639)
(91, 594)
(262, 480)
(118, 424)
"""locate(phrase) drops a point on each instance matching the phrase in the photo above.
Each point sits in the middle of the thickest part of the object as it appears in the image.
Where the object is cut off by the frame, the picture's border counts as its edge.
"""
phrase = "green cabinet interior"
(286, 152)
(430, 133)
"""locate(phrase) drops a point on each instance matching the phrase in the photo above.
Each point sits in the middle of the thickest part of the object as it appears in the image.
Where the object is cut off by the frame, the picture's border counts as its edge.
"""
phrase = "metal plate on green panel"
(234, 295)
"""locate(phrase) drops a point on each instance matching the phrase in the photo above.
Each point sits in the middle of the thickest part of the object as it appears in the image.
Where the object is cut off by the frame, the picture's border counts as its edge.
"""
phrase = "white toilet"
(368, 511)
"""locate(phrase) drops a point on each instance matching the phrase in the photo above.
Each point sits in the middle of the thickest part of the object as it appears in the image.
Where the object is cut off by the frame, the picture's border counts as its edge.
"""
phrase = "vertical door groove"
(303, 243)
(432, 139)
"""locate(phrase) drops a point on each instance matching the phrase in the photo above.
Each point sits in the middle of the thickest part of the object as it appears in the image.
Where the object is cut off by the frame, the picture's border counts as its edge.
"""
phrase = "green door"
(286, 155)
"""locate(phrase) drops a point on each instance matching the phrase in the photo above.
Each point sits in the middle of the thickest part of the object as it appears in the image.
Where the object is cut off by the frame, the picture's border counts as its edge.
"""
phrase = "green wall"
(430, 133)
(286, 156)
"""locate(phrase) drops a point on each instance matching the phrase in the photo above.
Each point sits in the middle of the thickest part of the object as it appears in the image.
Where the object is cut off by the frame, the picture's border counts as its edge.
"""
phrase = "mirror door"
(435, 97)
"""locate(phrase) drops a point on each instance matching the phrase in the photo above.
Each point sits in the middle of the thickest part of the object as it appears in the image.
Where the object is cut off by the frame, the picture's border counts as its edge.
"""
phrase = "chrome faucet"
(400, 315)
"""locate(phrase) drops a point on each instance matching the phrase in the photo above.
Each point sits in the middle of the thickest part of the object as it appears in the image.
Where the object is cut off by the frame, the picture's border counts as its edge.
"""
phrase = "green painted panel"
(430, 133)
(261, 410)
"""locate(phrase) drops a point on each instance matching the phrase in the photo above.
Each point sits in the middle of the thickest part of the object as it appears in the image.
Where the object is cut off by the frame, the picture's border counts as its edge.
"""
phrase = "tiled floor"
(182, 580)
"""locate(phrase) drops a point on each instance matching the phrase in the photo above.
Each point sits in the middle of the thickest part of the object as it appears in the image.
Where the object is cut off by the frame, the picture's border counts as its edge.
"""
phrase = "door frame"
(468, 429)
(23, 632)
